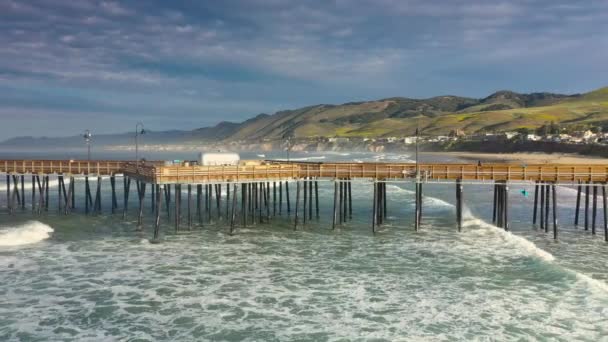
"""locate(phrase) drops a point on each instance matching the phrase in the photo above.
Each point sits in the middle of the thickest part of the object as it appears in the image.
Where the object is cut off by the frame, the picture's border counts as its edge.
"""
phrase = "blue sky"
(104, 65)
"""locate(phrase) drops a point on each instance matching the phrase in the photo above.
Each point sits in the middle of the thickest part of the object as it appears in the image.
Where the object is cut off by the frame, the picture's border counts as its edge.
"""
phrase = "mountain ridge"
(392, 116)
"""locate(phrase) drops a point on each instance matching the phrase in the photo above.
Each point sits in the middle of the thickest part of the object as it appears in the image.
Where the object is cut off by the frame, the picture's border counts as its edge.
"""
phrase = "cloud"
(239, 57)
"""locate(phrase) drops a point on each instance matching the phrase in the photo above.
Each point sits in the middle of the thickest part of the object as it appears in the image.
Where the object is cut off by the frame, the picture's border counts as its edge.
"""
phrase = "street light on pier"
(139, 130)
(87, 138)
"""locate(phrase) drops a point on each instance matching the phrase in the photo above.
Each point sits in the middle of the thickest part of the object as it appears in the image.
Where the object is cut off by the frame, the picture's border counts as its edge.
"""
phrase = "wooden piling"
(274, 198)
(87, 195)
(547, 206)
(287, 197)
(33, 193)
(335, 216)
(189, 206)
(295, 226)
(199, 211)
(605, 202)
(113, 186)
(594, 209)
(586, 213)
(310, 184)
(8, 192)
(157, 210)
(233, 215)
(375, 207)
(140, 215)
(22, 192)
(535, 202)
(578, 203)
(317, 198)
(46, 193)
(126, 185)
(167, 191)
(350, 201)
(459, 204)
(542, 206)
(280, 197)
(177, 209)
(554, 212)
(495, 204)
(305, 185)
(98, 196)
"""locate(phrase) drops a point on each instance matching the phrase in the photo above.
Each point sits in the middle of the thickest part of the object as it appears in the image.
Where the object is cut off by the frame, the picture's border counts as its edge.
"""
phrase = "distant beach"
(529, 158)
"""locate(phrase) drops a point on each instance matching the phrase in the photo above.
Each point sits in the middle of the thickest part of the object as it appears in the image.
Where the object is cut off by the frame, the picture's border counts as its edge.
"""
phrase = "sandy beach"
(529, 158)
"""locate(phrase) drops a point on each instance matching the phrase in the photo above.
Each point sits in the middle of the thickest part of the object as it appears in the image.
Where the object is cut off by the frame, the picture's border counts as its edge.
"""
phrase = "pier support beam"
(141, 188)
(126, 188)
(317, 198)
(605, 202)
(157, 211)
(459, 204)
(418, 211)
(295, 226)
(287, 197)
(233, 214)
(535, 202)
(189, 207)
(177, 204)
(594, 209)
(578, 203)
(542, 206)
(375, 207)
(335, 216)
(554, 211)
(586, 217)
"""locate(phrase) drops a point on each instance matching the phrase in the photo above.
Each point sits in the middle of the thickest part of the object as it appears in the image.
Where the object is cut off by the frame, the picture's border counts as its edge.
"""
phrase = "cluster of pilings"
(500, 209)
(343, 202)
(591, 189)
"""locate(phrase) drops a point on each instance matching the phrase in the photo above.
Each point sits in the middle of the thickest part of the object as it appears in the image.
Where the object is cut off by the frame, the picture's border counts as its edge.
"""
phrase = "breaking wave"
(27, 233)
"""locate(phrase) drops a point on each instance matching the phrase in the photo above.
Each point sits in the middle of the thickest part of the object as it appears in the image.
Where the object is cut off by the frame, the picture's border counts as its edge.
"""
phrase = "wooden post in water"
(40, 192)
(417, 210)
(280, 197)
(287, 197)
(506, 206)
(46, 194)
(267, 201)
(586, 206)
(305, 184)
(234, 202)
(126, 185)
(22, 192)
(495, 204)
(177, 210)
(227, 201)
(142, 194)
(152, 199)
(542, 206)
(167, 189)
(547, 206)
(199, 211)
(310, 198)
(157, 210)
(350, 201)
(295, 226)
(113, 186)
(274, 198)
(554, 212)
(97, 206)
(218, 199)
(459, 204)
(189, 206)
(8, 192)
(59, 189)
(335, 216)
(535, 202)
(317, 198)
(33, 193)
(344, 201)
(578, 204)
(605, 202)
(340, 197)
(244, 203)
(375, 207)
(87, 195)
(594, 209)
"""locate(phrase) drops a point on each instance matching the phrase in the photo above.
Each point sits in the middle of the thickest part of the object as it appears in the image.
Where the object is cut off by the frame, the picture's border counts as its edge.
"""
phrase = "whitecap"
(29, 232)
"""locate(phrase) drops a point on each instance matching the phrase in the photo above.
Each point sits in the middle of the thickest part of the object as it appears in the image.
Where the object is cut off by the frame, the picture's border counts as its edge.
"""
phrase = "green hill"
(501, 111)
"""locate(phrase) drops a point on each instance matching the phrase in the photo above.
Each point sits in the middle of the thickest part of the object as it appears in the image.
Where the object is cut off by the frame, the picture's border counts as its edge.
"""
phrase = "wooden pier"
(260, 181)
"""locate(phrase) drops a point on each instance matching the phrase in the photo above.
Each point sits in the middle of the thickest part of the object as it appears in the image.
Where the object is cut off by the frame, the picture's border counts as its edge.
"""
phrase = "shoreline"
(523, 157)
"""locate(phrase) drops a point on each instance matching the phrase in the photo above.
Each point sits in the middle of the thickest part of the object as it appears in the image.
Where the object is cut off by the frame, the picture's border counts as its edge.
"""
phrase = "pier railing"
(157, 172)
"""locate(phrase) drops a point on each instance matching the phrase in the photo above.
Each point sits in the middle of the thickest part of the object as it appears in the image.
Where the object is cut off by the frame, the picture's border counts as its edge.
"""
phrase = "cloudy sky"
(70, 65)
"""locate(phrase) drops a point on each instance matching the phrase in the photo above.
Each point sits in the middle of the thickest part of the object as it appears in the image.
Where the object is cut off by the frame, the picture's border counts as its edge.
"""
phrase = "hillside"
(397, 116)
(503, 110)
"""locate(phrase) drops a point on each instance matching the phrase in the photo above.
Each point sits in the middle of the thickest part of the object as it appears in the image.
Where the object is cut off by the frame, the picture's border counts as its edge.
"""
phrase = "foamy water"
(23, 234)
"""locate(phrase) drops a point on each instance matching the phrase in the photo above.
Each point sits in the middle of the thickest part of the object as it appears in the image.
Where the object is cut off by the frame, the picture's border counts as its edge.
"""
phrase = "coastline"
(524, 157)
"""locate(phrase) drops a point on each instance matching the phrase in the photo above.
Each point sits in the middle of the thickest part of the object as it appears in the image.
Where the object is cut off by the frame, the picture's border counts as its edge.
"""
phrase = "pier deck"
(157, 173)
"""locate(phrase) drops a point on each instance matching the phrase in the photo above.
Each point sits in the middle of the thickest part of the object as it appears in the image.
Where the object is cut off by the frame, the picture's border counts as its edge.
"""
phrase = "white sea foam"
(27, 185)
(29, 232)
(306, 158)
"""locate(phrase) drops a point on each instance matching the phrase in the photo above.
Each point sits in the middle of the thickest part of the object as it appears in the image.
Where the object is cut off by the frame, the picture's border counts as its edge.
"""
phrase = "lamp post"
(87, 139)
(138, 131)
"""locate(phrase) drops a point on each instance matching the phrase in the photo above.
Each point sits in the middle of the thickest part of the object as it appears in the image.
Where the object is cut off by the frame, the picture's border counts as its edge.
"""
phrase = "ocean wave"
(29, 232)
